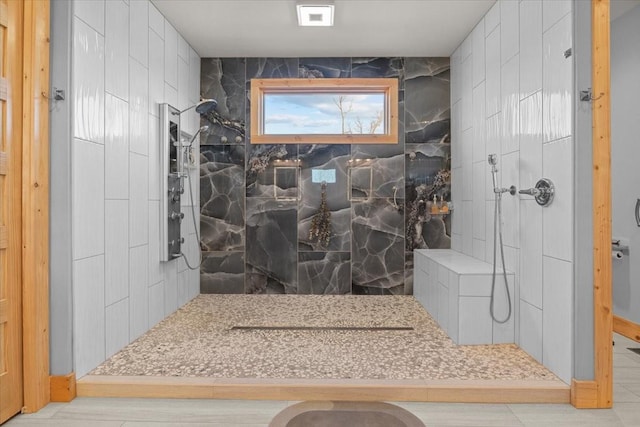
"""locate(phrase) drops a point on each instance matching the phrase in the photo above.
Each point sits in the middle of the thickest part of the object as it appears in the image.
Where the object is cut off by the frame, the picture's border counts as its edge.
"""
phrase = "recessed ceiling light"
(315, 13)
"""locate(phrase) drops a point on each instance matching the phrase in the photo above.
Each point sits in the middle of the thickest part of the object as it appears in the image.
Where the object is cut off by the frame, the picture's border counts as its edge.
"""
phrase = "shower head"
(492, 159)
(206, 106)
(203, 107)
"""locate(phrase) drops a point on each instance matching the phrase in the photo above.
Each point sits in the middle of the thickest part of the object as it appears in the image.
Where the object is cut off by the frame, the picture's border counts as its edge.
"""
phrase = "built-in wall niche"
(324, 111)
(360, 182)
(285, 182)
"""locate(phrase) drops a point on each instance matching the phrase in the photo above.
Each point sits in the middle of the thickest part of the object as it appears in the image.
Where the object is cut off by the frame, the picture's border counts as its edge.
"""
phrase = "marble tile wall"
(258, 201)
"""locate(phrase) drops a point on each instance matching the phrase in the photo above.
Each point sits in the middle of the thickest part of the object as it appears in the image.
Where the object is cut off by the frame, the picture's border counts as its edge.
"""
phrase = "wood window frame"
(386, 86)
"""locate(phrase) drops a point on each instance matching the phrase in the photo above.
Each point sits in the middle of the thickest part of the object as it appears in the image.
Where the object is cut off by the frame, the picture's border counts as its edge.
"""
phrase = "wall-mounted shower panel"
(171, 187)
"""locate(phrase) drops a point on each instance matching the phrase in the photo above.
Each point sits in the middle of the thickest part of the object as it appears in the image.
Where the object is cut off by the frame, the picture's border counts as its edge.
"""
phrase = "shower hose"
(195, 227)
(497, 234)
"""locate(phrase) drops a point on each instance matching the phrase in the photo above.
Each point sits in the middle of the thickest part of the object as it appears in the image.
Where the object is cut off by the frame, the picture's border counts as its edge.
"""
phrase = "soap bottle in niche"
(434, 206)
(444, 207)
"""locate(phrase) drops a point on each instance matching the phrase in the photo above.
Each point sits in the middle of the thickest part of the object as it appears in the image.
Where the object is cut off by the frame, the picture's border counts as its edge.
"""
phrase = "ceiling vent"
(315, 13)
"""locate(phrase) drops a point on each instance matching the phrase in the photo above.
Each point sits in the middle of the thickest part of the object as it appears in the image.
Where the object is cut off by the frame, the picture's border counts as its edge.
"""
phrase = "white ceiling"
(268, 28)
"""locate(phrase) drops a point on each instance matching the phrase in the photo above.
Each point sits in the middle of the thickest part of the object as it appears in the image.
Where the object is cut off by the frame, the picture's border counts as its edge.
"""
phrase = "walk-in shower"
(497, 238)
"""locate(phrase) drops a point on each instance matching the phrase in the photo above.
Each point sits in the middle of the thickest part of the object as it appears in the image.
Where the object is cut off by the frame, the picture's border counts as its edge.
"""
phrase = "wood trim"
(12, 391)
(584, 394)
(3, 163)
(626, 327)
(63, 387)
(3, 237)
(388, 86)
(35, 205)
(4, 15)
(476, 391)
(603, 308)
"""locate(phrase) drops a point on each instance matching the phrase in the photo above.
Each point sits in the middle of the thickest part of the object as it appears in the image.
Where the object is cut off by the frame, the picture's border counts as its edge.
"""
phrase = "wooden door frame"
(602, 272)
(35, 204)
(599, 392)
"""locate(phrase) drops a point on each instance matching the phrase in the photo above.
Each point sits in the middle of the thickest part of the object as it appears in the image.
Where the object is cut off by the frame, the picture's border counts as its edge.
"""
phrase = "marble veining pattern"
(222, 194)
(378, 248)
(258, 201)
(197, 341)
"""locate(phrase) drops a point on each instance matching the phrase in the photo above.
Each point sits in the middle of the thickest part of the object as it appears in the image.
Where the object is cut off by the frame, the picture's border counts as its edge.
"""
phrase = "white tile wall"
(170, 94)
(509, 29)
(531, 140)
(89, 313)
(117, 49)
(467, 164)
(120, 286)
(156, 303)
(139, 108)
(557, 317)
(138, 291)
(557, 77)
(531, 330)
(553, 10)
(510, 95)
(467, 227)
(477, 47)
(138, 199)
(87, 211)
(156, 71)
(139, 31)
(183, 49)
(492, 64)
(510, 204)
(91, 12)
(492, 18)
(557, 218)
(479, 176)
(117, 326)
(88, 88)
(527, 90)
(466, 104)
(156, 21)
(170, 55)
(116, 250)
(531, 252)
(530, 47)
(116, 148)
(479, 123)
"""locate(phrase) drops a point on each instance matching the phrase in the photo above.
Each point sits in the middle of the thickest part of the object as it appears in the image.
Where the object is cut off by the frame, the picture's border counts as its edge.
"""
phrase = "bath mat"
(352, 414)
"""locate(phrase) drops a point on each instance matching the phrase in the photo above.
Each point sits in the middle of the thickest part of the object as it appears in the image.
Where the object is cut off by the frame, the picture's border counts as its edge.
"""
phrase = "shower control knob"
(543, 192)
(176, 197)
(176, 215)
(181, 240)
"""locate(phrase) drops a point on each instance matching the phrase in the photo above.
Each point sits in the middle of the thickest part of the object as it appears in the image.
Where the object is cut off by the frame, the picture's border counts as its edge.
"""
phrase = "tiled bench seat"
(456, 291)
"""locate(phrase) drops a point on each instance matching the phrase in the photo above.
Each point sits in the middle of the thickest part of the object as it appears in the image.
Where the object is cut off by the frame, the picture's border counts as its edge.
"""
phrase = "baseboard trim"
(584, 394)
(63, 387)
(627, 328)
(464, 391)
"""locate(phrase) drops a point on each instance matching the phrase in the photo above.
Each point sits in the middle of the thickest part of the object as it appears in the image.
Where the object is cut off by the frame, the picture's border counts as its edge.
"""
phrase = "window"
(326, 111)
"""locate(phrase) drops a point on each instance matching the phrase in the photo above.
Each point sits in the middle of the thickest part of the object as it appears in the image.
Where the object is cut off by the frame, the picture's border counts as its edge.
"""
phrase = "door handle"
(638, 212)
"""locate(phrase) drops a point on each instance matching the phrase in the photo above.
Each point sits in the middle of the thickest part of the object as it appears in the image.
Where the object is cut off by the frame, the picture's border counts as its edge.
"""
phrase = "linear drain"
(322, 328)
